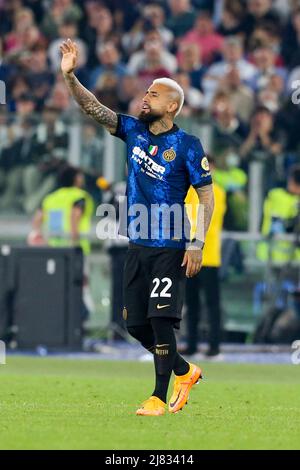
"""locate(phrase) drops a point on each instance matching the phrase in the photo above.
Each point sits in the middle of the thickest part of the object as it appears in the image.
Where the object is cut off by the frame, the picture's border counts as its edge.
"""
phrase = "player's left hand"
(193, 260)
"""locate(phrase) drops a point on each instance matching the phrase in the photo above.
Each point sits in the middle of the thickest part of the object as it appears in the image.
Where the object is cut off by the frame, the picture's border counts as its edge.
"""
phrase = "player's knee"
(134, 331)
(163, 329)
(138, 332)
(143, 334)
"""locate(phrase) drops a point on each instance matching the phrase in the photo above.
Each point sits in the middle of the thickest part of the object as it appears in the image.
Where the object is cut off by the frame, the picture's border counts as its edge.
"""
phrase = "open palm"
(69, 56)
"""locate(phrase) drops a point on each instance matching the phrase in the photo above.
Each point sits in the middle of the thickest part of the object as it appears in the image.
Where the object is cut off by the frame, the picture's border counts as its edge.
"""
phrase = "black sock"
(164, 355)
(145, 335)
(181, 367)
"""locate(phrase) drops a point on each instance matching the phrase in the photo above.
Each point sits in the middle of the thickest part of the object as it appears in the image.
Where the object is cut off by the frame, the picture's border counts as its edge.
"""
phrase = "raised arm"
(86, 100)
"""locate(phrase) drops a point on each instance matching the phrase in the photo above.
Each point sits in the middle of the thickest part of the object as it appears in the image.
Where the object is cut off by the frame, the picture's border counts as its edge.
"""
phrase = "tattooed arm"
(90, 105)
(193, 255)
(207, 204)
(86, 100)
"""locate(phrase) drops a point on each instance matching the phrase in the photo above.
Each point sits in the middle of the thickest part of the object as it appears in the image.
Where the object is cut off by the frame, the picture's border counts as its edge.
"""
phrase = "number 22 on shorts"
(166, 283)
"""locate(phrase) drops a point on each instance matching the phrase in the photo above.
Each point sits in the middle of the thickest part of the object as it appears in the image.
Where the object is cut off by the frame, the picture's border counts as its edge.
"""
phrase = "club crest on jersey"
(153, 149)
(169, 155)
(205, 164)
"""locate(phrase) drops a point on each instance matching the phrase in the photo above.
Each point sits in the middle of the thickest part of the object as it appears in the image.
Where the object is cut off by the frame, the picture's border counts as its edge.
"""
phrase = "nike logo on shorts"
(161, 306)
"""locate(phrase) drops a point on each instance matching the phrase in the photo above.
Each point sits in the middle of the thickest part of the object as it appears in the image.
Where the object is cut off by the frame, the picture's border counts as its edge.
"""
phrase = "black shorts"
(153, 284)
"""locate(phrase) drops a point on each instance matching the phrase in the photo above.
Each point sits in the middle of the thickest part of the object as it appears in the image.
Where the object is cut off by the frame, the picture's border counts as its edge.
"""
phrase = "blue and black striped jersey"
(161, 169)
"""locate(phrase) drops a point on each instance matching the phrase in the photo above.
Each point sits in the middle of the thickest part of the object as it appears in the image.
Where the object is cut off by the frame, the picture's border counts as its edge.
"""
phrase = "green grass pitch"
(51, 403)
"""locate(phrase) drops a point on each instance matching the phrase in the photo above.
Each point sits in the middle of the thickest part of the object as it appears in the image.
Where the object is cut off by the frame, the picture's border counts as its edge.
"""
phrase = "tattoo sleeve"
(205, 212)
(90, 105)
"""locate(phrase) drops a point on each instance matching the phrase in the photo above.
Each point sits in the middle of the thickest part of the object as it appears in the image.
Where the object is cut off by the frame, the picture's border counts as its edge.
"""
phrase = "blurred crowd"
(238, 62)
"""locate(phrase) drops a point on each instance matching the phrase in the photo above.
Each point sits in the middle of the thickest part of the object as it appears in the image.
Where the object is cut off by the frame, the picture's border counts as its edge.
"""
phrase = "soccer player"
(163, 161)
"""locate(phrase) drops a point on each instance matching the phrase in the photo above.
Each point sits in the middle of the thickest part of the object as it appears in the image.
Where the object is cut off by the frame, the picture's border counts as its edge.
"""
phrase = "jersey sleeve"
(125, 125)
(197, 165)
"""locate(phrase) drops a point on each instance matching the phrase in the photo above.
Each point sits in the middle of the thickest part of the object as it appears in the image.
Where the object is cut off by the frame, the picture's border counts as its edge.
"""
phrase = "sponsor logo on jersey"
(205, 164)
(152, 168)
(169, 155)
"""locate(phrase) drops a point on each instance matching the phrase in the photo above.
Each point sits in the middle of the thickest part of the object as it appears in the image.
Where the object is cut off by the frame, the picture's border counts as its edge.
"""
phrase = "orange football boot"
(182, 387)
(152, 407)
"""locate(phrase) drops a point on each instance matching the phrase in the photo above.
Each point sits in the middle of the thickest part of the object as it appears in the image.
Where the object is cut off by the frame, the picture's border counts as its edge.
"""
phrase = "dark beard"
(150, 117)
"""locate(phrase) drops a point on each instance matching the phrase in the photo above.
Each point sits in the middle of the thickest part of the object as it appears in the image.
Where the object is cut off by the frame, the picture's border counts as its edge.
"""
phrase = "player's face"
(156, 103)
